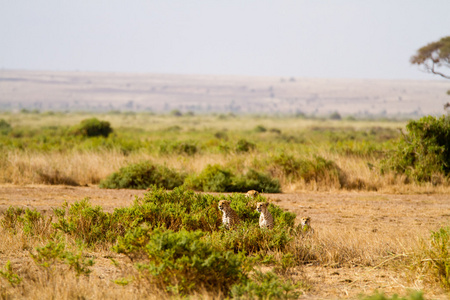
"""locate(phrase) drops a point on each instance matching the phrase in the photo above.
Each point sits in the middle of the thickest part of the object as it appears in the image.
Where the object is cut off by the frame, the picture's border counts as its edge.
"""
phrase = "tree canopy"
(434, 57)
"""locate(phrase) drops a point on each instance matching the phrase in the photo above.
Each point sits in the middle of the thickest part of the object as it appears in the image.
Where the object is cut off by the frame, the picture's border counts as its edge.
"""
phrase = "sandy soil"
(368, 213)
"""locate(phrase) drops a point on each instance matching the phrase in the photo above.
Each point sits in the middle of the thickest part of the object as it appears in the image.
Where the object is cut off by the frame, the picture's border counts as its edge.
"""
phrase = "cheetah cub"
(252, 194)
(306, 224)
(266, 218)
(229, 218)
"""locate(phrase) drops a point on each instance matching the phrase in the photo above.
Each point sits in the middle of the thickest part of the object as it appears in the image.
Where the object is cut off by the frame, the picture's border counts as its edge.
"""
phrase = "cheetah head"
(261, 206)
(305, 221)
(223, 204)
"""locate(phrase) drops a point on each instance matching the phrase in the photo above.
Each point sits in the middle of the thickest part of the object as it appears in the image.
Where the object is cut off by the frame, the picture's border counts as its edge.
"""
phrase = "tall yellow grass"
(89, 167)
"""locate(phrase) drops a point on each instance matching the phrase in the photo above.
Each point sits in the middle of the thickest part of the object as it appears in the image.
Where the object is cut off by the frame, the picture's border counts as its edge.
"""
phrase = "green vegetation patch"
(93, 127)
(318, 169)
(182, 262)
(215, 178)
(143, 175)
(424, 151)
(434, 257)
(5, 127)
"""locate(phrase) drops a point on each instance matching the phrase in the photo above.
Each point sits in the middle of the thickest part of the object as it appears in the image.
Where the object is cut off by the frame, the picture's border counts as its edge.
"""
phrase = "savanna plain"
(124, 205)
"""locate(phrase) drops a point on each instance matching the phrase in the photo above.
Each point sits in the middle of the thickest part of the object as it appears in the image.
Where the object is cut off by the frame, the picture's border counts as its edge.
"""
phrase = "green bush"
(437, 256)
(251, 239)
(318, 169)
(423, 151)
(215, 178)
(183, 208)
(264, 286)
(51, 253)
(288, 164)
(31, 222)
(133, 243)
(89, 225)
(9, 274)
(143, 175)
(174, 210)
(253, 180)
(12, 219)
(93, 127)
(5, 127)
(357, 148)
(182, 262)
(244, 146)
(187, 148)
(260, 128)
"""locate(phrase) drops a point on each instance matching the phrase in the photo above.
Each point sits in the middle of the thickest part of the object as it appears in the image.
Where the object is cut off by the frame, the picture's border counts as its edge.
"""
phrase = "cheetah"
(229, 218)
(252, 194)
(266, 218)
(305, 223)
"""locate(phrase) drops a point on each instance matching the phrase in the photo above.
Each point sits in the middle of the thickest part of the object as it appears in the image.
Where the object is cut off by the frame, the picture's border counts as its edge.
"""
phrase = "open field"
(161, 93)
(369, 226)
(372, 226)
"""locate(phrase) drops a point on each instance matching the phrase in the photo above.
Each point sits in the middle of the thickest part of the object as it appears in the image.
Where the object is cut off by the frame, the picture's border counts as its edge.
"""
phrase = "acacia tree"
(434, 57)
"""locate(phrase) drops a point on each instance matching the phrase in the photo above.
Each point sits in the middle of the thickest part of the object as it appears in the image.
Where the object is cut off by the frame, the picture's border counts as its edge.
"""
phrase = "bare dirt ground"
(371, 215)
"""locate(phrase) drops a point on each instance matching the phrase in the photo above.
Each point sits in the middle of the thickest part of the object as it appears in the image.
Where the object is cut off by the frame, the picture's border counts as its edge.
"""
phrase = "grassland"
(39, 149)
(372, 229)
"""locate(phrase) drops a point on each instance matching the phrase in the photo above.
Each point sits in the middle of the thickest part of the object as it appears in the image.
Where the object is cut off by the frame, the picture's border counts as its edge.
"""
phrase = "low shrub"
(87, 224)
(184, 148)
(93, 127)
(264, 286)
(133, 243)
(174, 210)
(215, 178)
(221, 135)
(318, 169)
(254, 180)
(424, 151)
(143, 175)
(52, 253)
(8, 273)
(435, 256)
(183, 209)
(251, 239)
(5, 127)
(182, 262)
(244, 146)
(260, 128)
(357, 148)
(31, 222)
(12, 219)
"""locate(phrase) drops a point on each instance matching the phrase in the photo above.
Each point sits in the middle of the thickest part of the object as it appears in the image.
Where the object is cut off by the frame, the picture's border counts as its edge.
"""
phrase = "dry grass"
(89, 167)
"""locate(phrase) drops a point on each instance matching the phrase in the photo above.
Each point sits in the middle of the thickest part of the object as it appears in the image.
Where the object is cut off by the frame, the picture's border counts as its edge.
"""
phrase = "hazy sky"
(303, 38)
